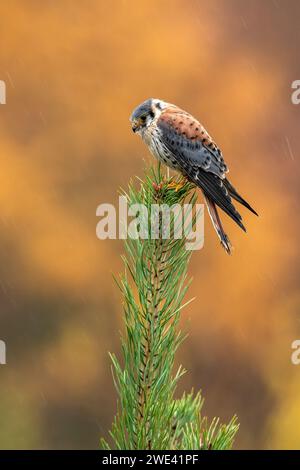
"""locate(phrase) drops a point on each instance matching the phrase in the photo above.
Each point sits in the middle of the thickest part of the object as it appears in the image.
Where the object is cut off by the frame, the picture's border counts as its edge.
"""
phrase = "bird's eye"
(143, 118)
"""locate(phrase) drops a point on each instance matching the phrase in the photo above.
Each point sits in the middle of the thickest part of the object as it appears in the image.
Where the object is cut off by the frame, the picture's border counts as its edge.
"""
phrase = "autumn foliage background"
(74, 71)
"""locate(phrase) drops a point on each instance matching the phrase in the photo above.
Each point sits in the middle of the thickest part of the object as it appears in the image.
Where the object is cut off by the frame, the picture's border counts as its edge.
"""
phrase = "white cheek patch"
(157, 113)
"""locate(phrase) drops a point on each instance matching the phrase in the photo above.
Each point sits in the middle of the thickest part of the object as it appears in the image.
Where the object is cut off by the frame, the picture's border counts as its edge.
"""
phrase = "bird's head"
(145, 113)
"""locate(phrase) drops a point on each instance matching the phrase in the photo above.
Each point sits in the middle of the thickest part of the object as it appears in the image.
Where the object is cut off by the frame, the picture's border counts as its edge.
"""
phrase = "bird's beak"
(135, 125)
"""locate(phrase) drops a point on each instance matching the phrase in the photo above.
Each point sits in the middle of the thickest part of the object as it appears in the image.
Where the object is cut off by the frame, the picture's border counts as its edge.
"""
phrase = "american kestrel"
(179, 141)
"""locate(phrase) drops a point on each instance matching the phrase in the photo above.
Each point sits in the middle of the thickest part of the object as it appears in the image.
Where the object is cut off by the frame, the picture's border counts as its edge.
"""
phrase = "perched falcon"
(177, 139)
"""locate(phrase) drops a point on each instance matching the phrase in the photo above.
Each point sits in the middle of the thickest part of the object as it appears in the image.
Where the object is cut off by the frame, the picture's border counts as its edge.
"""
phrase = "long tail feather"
(235, 195)
(214, 188)
(216, 221)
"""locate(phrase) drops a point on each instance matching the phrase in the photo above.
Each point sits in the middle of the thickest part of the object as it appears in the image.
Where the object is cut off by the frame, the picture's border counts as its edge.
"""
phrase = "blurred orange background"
(74, 71)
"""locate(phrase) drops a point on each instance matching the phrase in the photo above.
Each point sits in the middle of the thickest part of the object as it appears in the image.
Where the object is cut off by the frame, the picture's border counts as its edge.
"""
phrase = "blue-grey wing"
(198, 157)
(190, 144)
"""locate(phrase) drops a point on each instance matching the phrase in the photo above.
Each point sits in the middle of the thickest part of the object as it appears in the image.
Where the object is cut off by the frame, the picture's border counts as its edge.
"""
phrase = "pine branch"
(153, 287)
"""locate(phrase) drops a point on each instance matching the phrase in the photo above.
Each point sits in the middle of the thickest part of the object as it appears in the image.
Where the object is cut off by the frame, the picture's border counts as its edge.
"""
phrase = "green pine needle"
(153, 287)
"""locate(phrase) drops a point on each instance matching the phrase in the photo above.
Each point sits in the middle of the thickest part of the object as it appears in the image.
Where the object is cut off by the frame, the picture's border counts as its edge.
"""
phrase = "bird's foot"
(176, 185)
(170, 183)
